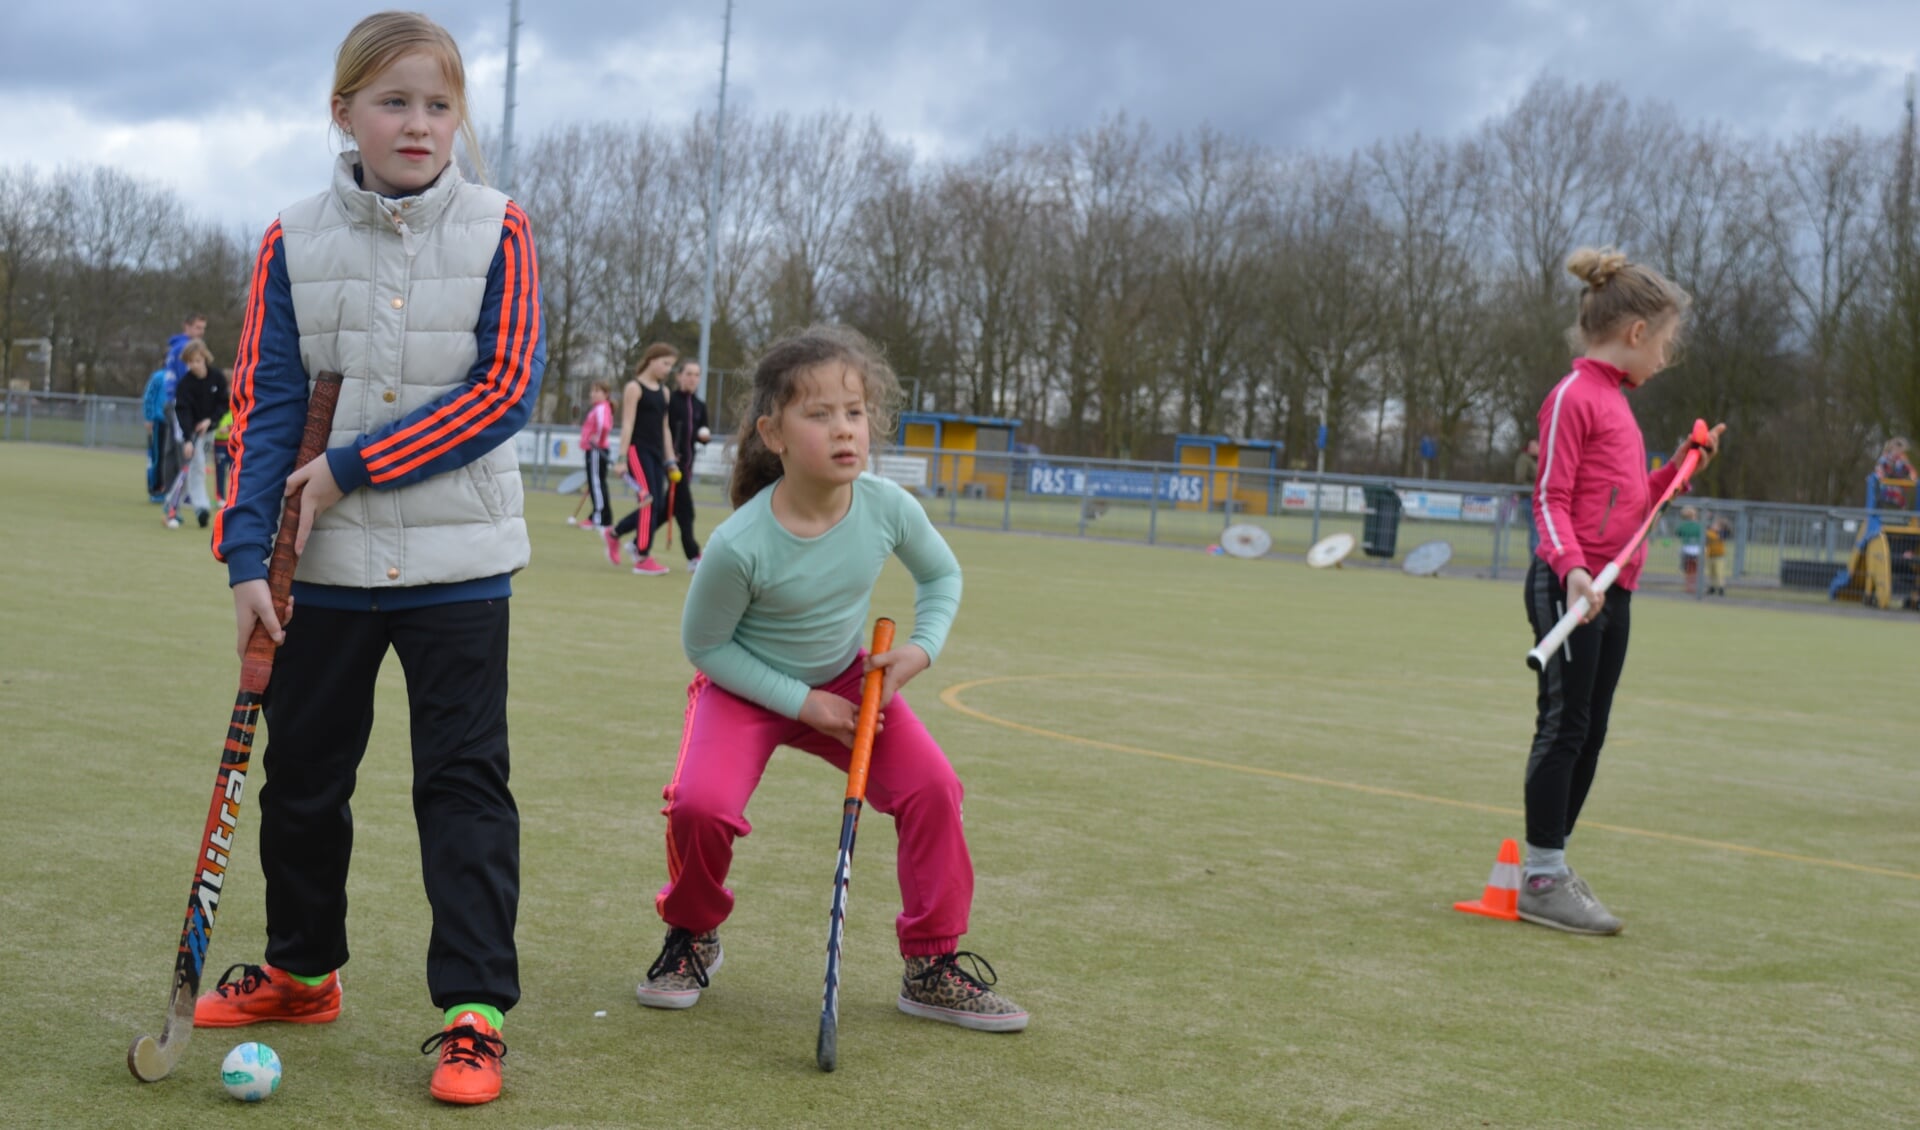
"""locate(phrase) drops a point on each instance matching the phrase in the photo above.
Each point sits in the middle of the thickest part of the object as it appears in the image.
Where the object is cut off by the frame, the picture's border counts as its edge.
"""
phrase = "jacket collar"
(1603, 371)
(419, 212)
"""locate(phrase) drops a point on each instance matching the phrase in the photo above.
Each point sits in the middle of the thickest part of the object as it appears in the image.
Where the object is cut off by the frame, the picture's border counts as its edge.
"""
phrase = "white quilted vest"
(387, 293)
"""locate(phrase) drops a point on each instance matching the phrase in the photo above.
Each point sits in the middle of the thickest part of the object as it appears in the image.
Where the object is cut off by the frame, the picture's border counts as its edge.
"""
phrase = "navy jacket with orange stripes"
(422, 440)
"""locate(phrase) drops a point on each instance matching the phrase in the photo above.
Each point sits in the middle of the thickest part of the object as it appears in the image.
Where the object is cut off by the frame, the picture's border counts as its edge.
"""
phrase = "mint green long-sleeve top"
(771, 615)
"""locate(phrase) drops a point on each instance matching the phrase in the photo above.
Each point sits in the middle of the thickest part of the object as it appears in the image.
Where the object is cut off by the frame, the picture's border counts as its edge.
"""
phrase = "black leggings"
(682, 493)
(1576, 695)
(646, 470)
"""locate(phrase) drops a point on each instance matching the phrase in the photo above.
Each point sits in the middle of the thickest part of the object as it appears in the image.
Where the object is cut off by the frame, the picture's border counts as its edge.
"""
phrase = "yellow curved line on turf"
(951, 696)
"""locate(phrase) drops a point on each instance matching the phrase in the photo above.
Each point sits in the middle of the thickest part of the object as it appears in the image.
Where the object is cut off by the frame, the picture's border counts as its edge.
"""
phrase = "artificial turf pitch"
(1219, 811)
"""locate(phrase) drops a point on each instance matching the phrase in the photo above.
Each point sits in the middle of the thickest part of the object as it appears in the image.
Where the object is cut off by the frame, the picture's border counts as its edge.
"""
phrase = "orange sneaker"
(262, 993)
(470, 1054)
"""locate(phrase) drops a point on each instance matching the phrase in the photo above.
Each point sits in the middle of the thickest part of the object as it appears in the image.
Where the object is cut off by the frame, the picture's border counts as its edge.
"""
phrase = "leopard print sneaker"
(680, 972)
(938, 989)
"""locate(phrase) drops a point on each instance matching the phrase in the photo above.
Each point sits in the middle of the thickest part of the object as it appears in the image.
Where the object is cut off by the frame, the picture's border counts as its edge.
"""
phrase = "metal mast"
(713, 202)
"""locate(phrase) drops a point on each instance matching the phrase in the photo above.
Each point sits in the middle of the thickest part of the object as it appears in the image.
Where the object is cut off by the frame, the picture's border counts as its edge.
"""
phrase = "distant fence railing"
(1772, 544)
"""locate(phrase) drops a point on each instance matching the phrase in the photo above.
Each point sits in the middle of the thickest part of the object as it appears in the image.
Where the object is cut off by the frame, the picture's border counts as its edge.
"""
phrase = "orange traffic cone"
(1501, 899)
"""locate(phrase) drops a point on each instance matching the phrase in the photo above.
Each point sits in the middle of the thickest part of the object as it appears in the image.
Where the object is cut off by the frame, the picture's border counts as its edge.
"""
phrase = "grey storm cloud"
(1288, 73)
(950, 75)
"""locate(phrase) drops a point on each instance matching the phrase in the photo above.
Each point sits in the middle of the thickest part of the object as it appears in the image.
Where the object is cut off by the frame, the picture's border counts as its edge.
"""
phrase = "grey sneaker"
(681, 971)
(938, 989)
(1565, 902)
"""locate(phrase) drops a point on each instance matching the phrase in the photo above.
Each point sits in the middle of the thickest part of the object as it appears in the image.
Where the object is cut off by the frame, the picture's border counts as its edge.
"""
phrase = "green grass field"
(1219, 811)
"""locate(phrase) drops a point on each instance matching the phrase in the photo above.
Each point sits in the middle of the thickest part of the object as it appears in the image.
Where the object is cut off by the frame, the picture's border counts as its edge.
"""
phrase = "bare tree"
(1103, 250)
(566, 186)
(1438, 358)
(895, 250)
(26, 240)
(819, 170)
(1822, 227)
(1217, 196)
(987, 287)
(113, 229)
(647, 239)
(1330, 298)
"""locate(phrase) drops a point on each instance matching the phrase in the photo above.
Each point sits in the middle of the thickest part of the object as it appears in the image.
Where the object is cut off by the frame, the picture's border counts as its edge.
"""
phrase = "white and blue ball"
(251, 1072)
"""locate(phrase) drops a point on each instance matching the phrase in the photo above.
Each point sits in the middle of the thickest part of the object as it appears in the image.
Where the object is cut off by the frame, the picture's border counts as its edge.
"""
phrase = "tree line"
(1111, 286)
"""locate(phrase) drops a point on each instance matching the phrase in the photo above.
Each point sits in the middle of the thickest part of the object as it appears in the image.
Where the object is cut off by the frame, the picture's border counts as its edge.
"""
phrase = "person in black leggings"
(687, 424)
(649, 455)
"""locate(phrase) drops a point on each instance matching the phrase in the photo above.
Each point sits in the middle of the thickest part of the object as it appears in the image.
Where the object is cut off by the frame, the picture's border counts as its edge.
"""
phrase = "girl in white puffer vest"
(421, 289)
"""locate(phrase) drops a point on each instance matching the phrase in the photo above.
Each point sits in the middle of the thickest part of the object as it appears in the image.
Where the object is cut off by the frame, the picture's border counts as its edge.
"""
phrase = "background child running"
(411, 531)
(596, 431)
(773, 623)
(1594, 493)
(687, 426)
(643, 429)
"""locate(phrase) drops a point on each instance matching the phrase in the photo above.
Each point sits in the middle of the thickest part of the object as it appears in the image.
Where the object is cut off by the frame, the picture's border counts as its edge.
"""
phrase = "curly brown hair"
(776, 382)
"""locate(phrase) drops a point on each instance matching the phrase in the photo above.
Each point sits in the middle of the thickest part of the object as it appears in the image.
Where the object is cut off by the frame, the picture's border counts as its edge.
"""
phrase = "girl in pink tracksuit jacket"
(1592, 495)
(595, 433)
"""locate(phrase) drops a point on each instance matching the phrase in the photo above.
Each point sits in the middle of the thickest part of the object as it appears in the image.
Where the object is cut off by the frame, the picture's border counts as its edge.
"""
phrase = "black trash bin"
(1380, 531)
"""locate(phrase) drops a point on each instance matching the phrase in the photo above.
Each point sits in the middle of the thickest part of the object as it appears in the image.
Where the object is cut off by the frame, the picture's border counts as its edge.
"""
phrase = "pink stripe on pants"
(724, 750)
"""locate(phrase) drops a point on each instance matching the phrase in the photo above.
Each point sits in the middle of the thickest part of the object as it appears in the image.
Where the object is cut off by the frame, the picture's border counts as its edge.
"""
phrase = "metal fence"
(1772, 545)
(64, 417)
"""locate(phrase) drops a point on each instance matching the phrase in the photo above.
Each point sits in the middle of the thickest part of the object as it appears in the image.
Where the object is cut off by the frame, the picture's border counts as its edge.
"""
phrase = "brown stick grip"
(257, 665)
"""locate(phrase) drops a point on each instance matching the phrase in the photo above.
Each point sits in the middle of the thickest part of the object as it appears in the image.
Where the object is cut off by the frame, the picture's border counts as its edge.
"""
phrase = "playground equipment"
(1881, 572)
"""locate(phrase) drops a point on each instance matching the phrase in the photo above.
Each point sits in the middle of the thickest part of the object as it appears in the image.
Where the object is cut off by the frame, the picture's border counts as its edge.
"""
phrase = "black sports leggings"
(646, 469)
(1576, 695)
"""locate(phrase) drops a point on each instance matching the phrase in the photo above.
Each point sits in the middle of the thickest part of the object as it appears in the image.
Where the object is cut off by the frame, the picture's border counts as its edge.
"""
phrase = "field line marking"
(951, 697)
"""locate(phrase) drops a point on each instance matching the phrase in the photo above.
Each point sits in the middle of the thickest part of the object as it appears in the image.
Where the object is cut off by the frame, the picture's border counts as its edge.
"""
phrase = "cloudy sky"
(226, 99)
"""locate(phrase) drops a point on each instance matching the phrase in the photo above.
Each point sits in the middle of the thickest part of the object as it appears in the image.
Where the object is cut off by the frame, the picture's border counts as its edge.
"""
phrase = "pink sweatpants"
(724, 751)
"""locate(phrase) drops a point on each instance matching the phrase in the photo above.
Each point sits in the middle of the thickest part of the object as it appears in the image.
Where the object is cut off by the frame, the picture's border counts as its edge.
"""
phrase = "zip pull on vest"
(409, 242)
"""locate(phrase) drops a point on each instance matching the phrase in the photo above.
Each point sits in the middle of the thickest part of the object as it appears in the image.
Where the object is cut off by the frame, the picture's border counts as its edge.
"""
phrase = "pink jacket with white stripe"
(1593, 491)
(598, 425)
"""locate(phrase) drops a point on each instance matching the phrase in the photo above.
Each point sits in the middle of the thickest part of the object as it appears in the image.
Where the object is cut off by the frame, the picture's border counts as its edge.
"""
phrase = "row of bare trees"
(105, 265)
(1111, 287)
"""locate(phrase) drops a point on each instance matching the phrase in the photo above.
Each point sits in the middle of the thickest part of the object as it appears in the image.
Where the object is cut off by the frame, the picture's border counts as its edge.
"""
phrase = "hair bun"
(1596, 266)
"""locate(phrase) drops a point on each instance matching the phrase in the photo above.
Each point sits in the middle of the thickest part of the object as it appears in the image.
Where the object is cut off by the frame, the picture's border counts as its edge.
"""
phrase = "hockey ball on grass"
(251, 1072)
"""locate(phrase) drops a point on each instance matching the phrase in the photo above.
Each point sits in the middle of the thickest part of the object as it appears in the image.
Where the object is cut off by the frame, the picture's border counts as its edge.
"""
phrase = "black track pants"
(319, 712)
(1576, 695)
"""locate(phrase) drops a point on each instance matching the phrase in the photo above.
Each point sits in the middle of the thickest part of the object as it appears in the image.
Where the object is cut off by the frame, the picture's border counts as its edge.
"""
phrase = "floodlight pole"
(1320, 442)
(713, 204)
(513, 69)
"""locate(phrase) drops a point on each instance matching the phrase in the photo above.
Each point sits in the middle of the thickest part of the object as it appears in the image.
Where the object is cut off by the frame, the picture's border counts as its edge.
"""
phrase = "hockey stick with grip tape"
(152, 1058)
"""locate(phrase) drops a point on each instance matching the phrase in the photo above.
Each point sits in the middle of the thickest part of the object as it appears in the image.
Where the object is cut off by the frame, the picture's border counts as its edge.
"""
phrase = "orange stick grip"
(869, 715)
(257, 666)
